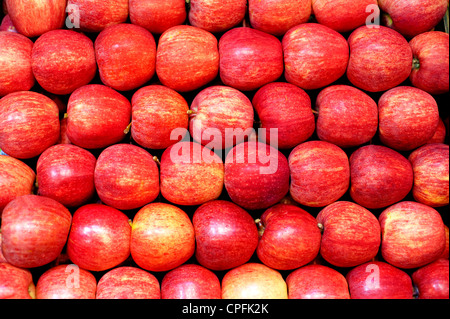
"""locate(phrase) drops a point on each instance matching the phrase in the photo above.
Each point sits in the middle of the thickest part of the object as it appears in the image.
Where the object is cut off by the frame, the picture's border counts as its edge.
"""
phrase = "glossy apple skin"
(157, 16)
(253, 281)
(320, 173)
(97, 15)
(63, 139)
(99, 238)
(16, 283)
(190, 281)
(45, 16)
(244, 165)
(278, 16)
(317, 282)
(408, 118)
(411, 18)
(380, 59)
(125, 42)
(162, 237)
(440, 135)
(347, 116)
(380, 176)
(128, 283)
(249, 58)
(431, 54)
(65, 173)
(218, 110)
(7, 24)
(191, 174)
(314, 56)
(126, 177)
(157, 111)
(29, 124)
(379, 280)
(66, 282)
(16, 179)
(431, 174)
(187, 58)
(405, 224)
(34, 230)
(432, 280)
(15, 56)
(63, 60)
(341, 15)
(290, 239)
(351, 234)
(285, 107)
(217, 16)
(445, 252)
(2, 258)
(87, 125)
(225, 234)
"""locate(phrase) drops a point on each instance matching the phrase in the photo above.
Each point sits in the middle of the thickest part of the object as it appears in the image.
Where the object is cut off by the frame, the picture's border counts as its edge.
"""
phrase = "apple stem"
(130, 222)
(127, 130)
(260, 226)
(66, 115)
(315, 112)
(155, 158)
(415, 292)
(320, 226)
(387, 20)
(416, 64)
(192, 113)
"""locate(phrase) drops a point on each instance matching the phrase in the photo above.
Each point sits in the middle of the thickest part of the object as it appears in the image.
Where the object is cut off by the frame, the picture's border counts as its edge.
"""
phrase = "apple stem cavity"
(416, 64)
(260, 226)
(387, 20)
(192, 113)
(320, 226)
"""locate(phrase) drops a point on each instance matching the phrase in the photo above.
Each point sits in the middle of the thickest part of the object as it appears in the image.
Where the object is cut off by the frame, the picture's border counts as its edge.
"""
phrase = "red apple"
(162, 237)
(7, 24)
(278, 16)
(190, 281)
(16, 283)
(99, 238)
(445, 253)
(97, 116)
(187, 58)
(440, 135)
(431, 69)
(314, 56)
(432, 280)
(380, 59)
(408, 118)
(225, 234)
(379, 280)
(285, 107)
(2, 258)
(65, 173)
(249, 58)
(15, 63)
(351, 234)
(16, 179)
(343, 15)
(289, 237)
(34, 230)
(157, 111)
(35, 17)
(221, 117)
(29, 124)
(216, 15)
(191, 174)
(253, 281)
(66, 282)
(412, 17)
(431, 174)
(320, 173)
(347, 116)
(255, 161)
(125, 42)
(126, 177)
(94, 15)
(63, 60)
(317, 282)
(157, 16)
(63, 138)
(413, 235)
(128, 283)
(380, 176)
